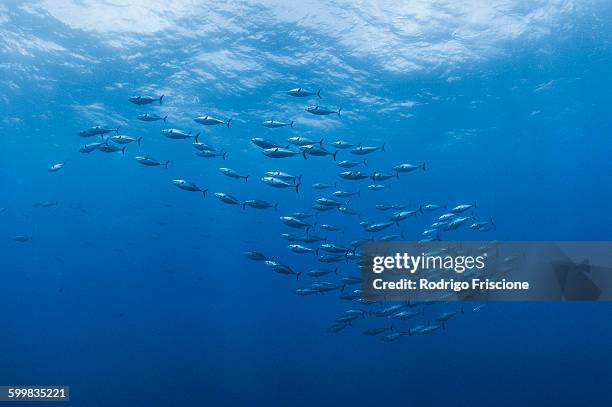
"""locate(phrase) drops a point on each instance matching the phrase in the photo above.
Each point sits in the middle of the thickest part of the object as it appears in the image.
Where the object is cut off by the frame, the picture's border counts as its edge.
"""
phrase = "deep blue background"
(134, 292)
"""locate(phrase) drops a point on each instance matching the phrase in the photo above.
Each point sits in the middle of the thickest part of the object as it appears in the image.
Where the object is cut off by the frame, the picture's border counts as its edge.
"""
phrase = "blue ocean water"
(134, 292)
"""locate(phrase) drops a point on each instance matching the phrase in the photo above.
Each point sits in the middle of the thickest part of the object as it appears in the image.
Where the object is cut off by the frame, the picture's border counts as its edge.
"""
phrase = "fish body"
(408, 167)
(345, 194)
(284, 176)
(259, 204)
(273, 124)
(278, 152)
(97, 131)
(294, 222)
(279, 183)
(232, 173)
(145, 100)
(151, 117)
(329, 202)
(188, 186)
(226, 198)
(377, 227)
(302, 93)
(353, 175)
(303, 141)
(211, 154)
(322, 111)
(123, 139)
(298, 248)
(317, 151)
(150, 162)
(263, 143)
(364, 150)
(88, 148)
(321, 272)
(211, 121)
(56, 167)
(177, 134)
(342, 144)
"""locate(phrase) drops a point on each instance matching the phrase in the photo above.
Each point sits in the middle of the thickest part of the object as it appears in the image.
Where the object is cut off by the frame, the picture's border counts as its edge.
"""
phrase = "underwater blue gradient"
(136, 293)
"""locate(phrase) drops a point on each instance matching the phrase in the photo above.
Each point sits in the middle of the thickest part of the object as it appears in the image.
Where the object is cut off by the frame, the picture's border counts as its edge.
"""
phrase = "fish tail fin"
(297, 188)
(319, 93)
(166, 164)
(397, 174)
(228, 123)
(365, 163)
(204, 192)
(317, 251)
(276, 207)
(123, 151)
(334, 154)
(197, 136)
(300, 179)
(297, 276)
(338, 112)
(462, 310)
(165, 118)
(335, 270)
(246, 179)
(383, 147)
(304, 154)
(321, 142)
(475, 206)
(161, 98)
(291, 124)
(138, 140)
(243, 205)
(423, 167)
(391, 328)
(223, 155)
(421, 209)
(493, 223)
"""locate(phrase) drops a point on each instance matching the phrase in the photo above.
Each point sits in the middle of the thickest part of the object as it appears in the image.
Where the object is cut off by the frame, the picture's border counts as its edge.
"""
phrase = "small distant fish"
(351, 163)
(321, 186)
(329, 228)
(97, 131)
(463, 208)
(188, 186)
(343, 144)
(282, 269)
(284, 176)
(322, 111)
(346, 194)
(301, 93)
(226, 198)
(122, 139)
(151, 117)
(303, 141)
(178, 134)
(279, 183)
(88, 148)
(211, 154)
(353, 175)
(377, 227)
(317, 151)
(298, 248)
(22, 238)
(408, 167)
(321, 272)
(232, 173)
(381, 176)
(56, 167)
(273, 124)
(431, 207)
(264, 143)
(259, 204)
(378, 187)
(110, 148)
(278, 152)
(363, 150)
(145, 100)
(150, 162)
(256, 256)
(211, 121)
